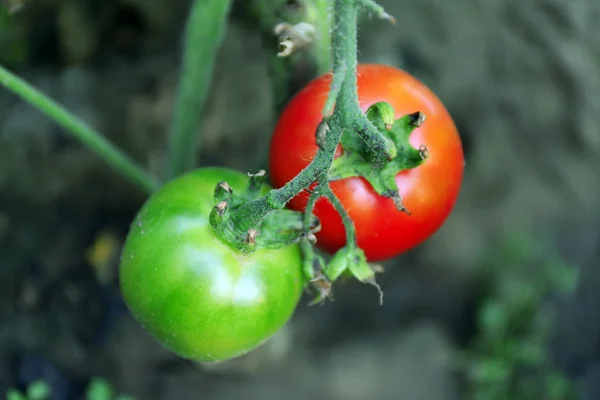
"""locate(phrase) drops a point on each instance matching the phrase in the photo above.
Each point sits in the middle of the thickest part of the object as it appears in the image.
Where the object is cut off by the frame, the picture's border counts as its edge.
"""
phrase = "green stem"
(310, 206)
(80, 130)
(347, 114)
(326, 192)
(206, 27)
(334, 90)
(344, 42)
(322, 47)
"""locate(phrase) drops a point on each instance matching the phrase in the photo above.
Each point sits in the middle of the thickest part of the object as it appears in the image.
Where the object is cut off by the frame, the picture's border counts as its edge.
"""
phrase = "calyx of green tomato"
(354, 160)
(278, 229)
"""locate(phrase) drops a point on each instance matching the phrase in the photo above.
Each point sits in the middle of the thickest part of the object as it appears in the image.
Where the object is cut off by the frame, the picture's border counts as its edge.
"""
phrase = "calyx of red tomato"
(278, 228)
(354, 159)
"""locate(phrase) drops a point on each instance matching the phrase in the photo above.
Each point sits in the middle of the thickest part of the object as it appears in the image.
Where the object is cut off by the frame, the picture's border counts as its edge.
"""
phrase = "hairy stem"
(334, 90)
(322, 47)
(347, 114)
(310, 206)
(94, 140)
(326, 192)
(205, 30)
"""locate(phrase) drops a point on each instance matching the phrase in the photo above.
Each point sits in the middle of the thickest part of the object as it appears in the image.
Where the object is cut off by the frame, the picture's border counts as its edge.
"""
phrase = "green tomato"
(195, 294)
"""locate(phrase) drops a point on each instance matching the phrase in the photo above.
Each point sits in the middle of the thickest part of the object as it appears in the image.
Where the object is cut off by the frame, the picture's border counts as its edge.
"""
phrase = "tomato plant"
(193, 292)
(428, 191)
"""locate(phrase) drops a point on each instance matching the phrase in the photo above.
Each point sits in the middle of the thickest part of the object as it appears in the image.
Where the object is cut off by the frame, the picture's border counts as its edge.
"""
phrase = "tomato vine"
(342, 112)
(212, 245)
(346, 115)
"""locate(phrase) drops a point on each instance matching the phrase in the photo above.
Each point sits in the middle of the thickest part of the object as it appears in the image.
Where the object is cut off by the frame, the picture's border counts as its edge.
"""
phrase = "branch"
(94, 140)
(347, 115)
(326, 192)
(335, 88)
(322, 46)
(205, 30)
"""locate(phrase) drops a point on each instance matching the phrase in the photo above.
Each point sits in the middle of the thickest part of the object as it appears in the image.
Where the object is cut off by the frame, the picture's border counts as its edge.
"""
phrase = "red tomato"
(429, 191)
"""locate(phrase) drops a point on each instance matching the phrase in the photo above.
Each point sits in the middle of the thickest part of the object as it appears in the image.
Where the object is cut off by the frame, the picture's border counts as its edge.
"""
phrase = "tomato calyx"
(349, 261)
(277, 229)
(314, 267)
(353, 162)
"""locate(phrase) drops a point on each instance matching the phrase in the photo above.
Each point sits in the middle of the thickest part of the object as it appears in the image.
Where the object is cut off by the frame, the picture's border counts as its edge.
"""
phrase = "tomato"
(195, 294)
(428, 191)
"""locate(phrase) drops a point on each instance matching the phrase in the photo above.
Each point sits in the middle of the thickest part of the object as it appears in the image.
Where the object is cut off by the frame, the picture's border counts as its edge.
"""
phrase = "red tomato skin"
(429, 191)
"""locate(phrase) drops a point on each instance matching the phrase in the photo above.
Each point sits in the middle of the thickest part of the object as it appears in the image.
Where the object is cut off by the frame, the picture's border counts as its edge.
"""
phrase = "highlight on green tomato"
(428, 191)
(192, 292)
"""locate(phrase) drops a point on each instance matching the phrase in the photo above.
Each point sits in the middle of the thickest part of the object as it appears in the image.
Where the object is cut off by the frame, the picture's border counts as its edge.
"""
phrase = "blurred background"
(502, 303)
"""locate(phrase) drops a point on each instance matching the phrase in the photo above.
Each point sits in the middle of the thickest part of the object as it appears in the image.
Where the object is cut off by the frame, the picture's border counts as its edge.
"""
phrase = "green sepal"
(383, 178)
(223, 192)
(381, 114)
(278, 229)
(359, 268)
(322, 286)
(218, 214)
(338, 264)
(313, 266)
(256, 181)
(284, 227)
(362, 271)
(377, 147)
(374, 145)
(351, 260)
(255, 189)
